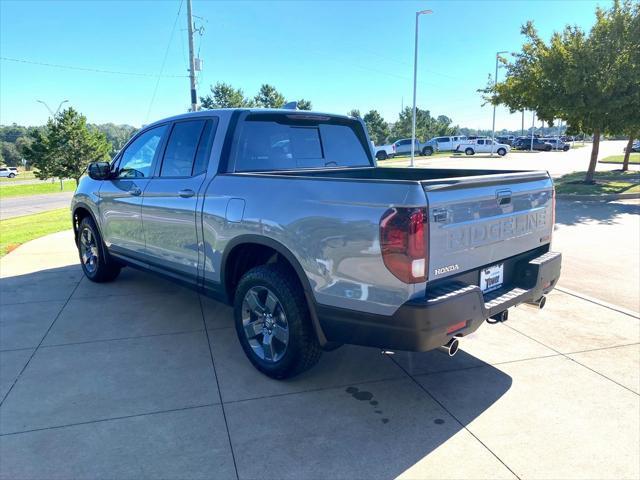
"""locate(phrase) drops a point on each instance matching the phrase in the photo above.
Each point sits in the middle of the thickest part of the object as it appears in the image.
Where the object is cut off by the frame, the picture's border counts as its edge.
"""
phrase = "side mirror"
(99, 170)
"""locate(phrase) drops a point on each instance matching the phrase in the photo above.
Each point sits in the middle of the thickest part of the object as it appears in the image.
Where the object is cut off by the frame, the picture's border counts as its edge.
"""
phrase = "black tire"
(469, 151)
(566, 148)
(12, 175)
(548, 148)
(427, 151)
(382, 155)
(102, 268)
(502, 152)
(302, 350)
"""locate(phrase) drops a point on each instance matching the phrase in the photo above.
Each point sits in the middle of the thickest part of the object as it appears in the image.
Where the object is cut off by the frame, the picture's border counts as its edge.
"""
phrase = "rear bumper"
(426, 323)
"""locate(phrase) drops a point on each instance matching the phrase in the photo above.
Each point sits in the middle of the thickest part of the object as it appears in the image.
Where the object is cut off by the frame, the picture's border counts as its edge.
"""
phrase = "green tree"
(354, 112)
(584, 78)
(10, 154)
(116, 135)
(377, 127)
(224, 95)
(269, 97)
(304, 104)
(66, 146)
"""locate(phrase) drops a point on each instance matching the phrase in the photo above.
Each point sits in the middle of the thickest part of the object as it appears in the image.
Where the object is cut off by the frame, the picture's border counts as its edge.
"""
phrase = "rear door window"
(269, 142)
(181, 149)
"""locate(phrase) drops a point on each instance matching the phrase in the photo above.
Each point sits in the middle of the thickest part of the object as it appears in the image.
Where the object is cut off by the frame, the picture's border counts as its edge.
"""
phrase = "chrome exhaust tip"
(451, 347)
(540, 303)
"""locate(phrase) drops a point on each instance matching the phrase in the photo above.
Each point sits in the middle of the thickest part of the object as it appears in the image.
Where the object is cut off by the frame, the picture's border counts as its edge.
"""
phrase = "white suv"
(8, 172)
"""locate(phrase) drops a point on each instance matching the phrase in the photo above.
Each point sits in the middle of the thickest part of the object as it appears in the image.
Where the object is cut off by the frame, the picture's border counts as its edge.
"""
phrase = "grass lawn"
(606, 183)
(405, 159)
(18, 230)
(8, 190)
(634, 159)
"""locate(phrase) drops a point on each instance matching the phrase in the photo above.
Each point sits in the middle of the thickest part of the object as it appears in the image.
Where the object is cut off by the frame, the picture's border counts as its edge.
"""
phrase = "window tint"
(270, 145)
(137, 159)
(442, 139)
(202, 155)
(181, 149)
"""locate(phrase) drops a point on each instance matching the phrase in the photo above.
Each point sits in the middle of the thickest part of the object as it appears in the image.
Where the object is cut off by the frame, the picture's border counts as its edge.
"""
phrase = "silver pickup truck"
(285, 215)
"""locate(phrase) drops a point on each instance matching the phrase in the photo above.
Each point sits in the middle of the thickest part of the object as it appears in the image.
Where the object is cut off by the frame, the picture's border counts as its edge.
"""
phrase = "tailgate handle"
(503, 197)
(440, 215)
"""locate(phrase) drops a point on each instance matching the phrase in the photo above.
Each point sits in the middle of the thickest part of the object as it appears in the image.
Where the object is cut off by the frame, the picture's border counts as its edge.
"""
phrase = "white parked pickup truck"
(483, 145)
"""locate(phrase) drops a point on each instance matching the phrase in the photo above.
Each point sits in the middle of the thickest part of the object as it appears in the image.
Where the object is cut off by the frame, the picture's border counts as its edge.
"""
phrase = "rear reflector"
(455, 327)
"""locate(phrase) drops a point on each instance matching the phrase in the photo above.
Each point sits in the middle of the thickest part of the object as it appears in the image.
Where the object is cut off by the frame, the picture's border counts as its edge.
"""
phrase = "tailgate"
(479, 221)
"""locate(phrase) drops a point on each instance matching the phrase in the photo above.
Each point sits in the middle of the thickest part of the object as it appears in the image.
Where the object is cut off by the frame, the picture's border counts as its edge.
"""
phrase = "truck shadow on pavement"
(570, 212)
(143, 365)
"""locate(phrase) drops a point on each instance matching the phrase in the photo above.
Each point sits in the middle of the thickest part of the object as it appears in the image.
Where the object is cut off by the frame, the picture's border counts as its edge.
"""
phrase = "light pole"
(415, 78)
(495, 83)
(53, 114)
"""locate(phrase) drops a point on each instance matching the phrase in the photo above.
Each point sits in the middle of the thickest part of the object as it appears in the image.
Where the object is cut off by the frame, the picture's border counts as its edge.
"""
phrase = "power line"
(86, 69)
(164, 60)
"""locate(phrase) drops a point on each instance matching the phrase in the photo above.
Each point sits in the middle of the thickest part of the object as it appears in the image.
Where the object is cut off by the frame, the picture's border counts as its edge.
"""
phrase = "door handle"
(135, 191)
(186, 193)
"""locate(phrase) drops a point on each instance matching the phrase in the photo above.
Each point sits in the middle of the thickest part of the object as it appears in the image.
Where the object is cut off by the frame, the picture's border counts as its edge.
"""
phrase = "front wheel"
(427, 151)
(273, 323)
(96, 263)
(502, 152)
(12, 175)
(469, 151)
(382, 155)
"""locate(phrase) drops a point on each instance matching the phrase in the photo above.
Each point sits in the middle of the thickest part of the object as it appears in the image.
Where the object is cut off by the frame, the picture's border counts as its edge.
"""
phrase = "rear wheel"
(273, 322)
(502, 152)
(381, 155)
(12, 175)
(96, 263)
(469, 151)
(427, 151)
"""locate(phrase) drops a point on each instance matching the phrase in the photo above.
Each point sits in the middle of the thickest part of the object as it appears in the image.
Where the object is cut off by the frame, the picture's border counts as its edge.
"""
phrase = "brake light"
(404, 241)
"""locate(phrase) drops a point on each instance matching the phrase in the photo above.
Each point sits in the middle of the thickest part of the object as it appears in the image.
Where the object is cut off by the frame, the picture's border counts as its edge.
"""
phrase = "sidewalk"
(141, 378)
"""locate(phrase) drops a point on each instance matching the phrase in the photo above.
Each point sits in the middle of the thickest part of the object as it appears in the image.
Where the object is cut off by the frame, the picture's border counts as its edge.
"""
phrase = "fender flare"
(289, 257)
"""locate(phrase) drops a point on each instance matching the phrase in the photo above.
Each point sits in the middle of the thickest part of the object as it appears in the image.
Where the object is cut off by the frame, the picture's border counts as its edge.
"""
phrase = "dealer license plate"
(491, 277)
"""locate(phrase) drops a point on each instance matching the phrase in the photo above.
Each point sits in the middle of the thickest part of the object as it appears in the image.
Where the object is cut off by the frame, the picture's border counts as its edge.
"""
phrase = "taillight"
(403, 243)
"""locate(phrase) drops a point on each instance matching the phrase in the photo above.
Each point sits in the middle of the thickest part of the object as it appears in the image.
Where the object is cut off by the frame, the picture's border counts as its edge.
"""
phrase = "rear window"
(270, 142)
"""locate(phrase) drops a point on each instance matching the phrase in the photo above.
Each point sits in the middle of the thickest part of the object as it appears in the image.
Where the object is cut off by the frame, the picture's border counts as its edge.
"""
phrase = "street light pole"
(495, 83)
(51, 112)
(415, 78)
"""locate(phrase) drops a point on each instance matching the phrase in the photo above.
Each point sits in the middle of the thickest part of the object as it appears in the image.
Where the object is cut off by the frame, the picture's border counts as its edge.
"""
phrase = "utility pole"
(192, 66)
(522, 128)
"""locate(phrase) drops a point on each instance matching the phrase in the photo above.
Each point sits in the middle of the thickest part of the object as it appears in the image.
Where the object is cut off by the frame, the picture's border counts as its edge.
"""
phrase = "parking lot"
(142, 378)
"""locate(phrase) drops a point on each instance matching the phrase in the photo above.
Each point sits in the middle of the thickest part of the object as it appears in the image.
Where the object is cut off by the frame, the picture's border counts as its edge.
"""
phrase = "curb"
(598, 198)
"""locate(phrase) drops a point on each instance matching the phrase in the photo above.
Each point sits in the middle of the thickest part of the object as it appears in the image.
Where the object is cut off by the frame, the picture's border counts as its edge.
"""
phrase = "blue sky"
(338, 54)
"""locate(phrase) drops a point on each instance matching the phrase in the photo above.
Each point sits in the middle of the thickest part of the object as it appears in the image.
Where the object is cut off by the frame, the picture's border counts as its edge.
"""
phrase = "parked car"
(483, 145)
(508, 140)
(383, 152)
(557, 144)
(284, 215)
(446, 143)
(635, 146)
(535, 144)
(9, 172)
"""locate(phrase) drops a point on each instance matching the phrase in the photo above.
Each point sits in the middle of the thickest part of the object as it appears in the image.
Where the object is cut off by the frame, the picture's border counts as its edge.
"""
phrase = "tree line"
(590, 79)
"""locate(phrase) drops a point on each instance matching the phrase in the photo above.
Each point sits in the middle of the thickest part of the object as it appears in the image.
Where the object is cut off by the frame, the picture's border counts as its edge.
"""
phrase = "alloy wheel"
(265, 324)
(89, 250)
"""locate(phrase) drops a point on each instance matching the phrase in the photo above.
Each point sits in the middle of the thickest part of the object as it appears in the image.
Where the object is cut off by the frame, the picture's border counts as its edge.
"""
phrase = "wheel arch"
(262, 250)
(80, 211)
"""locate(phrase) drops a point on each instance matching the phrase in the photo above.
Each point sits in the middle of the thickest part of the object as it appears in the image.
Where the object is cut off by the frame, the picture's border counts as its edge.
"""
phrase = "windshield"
(266, 142)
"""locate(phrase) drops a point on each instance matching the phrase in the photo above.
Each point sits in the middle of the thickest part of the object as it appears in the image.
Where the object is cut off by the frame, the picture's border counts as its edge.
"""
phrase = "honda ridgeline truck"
(285, 215)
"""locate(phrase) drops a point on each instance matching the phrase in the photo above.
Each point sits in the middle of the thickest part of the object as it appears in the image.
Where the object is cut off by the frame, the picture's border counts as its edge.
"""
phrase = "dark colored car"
(535, 144)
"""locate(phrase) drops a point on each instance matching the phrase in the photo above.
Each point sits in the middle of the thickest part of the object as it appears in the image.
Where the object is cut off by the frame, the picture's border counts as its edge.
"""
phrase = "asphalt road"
(600, 245)
(19, 206)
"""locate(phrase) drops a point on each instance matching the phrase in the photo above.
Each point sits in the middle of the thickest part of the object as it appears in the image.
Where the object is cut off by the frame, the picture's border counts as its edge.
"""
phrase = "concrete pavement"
(141, 378)
(27, 205)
